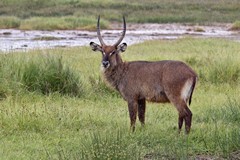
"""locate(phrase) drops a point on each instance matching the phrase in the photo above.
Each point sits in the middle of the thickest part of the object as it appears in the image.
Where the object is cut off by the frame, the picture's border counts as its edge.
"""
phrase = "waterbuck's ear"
(95, 46)
(122, 47)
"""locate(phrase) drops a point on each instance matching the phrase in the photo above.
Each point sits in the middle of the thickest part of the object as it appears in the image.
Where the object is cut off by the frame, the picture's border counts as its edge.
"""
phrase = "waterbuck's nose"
(105, 64)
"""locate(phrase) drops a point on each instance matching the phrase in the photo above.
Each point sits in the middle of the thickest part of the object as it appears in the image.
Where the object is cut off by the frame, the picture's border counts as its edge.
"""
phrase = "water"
(14, 40)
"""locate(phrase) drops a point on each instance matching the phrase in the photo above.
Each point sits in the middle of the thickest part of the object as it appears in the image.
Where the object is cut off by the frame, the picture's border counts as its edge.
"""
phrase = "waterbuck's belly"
(155, 94)
(159, 98)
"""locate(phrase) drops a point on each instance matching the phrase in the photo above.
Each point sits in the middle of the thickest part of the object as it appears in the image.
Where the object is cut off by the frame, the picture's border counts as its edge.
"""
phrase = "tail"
(192, 89)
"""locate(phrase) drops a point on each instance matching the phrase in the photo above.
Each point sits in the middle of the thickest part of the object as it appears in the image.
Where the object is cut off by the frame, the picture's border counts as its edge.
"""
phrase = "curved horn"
(123, 33)
(98, 32)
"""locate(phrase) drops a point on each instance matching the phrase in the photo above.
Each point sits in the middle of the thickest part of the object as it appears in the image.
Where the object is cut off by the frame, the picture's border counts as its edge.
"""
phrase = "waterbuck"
(141, 81)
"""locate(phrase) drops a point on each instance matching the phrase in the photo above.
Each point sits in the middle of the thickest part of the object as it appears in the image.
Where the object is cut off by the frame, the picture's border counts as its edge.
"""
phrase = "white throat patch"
(103, 69)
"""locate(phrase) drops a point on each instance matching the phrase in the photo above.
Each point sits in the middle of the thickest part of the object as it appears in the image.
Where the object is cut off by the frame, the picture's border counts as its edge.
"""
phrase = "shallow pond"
(13, 40)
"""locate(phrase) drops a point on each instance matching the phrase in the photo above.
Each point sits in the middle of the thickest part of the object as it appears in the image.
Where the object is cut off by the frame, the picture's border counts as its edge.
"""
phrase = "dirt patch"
(207, 157)
(151, 156)
(235, 155)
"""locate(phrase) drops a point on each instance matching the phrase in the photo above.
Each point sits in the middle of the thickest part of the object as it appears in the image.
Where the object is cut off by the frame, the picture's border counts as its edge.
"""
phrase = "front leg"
(132, 108)
(141, 110)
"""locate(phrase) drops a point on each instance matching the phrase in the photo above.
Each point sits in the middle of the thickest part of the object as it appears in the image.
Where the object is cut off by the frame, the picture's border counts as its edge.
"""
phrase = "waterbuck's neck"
(114, 74)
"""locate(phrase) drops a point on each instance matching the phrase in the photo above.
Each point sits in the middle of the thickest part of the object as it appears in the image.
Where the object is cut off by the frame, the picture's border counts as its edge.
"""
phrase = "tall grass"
(224, 72)
(109, 146)
(218, 71)
(48, 75)
(9, 76)
(228, 113)
(43, 73)
(99, 86)
(52, 23)
(9, 22)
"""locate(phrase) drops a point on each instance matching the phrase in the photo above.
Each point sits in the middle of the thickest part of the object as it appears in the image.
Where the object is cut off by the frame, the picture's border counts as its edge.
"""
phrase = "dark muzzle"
(105, 64)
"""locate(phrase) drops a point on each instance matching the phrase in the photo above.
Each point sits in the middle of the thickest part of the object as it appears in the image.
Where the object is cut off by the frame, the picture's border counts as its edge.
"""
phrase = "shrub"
(44, 74)
(49, 74)
(235, 26)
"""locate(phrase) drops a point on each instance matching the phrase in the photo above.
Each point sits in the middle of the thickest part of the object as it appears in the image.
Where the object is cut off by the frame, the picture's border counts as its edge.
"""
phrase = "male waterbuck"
(141, 81)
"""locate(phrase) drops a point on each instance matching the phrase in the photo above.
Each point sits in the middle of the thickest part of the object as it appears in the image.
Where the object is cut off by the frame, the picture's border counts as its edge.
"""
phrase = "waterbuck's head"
(110, 53)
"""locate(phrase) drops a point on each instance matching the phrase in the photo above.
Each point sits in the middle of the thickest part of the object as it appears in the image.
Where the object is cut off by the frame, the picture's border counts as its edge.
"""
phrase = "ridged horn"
(123, 33)
(98, 32)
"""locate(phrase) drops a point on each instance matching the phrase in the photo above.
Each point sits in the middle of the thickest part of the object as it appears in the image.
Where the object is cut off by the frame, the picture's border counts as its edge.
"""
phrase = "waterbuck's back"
(157, 81)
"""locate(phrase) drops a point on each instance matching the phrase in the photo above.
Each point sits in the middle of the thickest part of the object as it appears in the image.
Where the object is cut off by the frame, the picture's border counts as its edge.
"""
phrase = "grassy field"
(81, 14)
(54, 105)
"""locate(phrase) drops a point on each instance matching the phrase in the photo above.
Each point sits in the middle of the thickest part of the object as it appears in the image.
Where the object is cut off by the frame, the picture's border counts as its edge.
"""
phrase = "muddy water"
(13, 40)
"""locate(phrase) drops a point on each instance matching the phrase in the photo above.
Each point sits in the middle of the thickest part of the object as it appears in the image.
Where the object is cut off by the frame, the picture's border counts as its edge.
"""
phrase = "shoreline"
(23, 40)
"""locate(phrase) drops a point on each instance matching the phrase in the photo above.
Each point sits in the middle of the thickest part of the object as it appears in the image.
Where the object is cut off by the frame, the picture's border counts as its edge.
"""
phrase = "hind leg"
(184, 113)
(141, 110)
(133, 108)
(186, 116)
(180, 122)
(188, 120)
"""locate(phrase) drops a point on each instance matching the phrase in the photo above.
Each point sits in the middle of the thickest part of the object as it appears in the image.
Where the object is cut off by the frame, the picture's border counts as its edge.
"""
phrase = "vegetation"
(51, 23)
(81, 14)
(235, 26)
(40, 73)
(9, 22)
(95, 123)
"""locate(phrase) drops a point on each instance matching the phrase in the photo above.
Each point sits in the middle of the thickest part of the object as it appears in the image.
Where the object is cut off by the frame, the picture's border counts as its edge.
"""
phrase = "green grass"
(9, 22)
(52, 23)
(95, 125)
(55, 12)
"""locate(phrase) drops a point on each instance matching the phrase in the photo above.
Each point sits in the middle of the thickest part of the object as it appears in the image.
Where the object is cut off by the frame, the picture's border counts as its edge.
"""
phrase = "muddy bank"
(12, 40)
